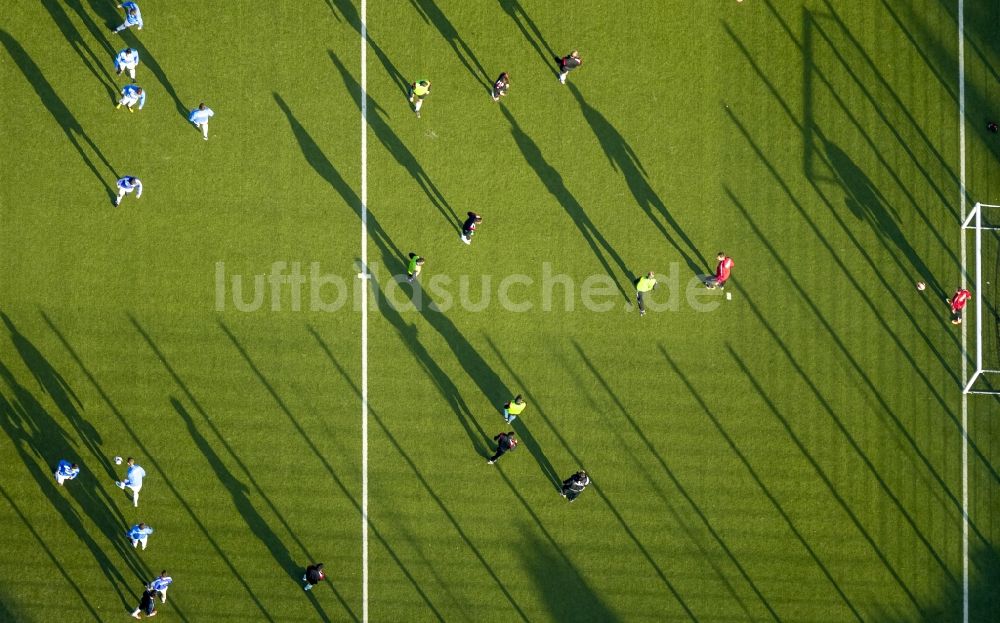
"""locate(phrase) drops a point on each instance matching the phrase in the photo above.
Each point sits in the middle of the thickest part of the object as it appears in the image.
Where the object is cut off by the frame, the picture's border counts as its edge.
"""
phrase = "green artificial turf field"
(789, 450)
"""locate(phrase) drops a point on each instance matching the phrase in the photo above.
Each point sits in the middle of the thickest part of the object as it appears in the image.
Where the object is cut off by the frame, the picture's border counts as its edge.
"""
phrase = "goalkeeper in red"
(958, 302)
(722, 271)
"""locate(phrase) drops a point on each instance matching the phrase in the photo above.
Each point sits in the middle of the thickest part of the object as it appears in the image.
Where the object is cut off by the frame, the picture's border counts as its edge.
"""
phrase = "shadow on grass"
(280, 554)
(392, 258)
(329, 468)
(53, 384)
(790, 277)
(86, 491)
(684, 493)
(57, 108)
(432, 13)
(407, 333)
(107, 11)
(35, 434)
(891, 120)
(676, 371)
(564, 591)
(238, 493)
(5, 613)
(809, 131)
(624, 159)
(773, 408)
(984, 598)
(793, 279)
(868, 204)
(828, 409)
(423, 482)
(161, 474)
(404, 157)
(350, 13)
(532, 34)
(96, 64)
(596, 487)
(391, 255)
(553, 182)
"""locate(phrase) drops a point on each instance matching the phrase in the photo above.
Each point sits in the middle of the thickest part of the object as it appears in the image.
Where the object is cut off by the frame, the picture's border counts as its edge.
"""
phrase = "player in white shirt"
(161, 584)
(133, 480)
(132, 94)
(126, 61)
(125, 186)
(200, 116)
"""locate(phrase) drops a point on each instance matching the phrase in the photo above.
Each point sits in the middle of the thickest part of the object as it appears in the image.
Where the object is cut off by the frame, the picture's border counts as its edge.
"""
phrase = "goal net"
(983, 222)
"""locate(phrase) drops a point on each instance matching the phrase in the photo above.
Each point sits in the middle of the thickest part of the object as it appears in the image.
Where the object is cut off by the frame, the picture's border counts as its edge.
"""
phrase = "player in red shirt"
(721, 272)
(957, 302)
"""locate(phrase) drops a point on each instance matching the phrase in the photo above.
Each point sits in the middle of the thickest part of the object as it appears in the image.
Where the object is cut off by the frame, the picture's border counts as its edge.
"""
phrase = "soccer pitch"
(795, 447)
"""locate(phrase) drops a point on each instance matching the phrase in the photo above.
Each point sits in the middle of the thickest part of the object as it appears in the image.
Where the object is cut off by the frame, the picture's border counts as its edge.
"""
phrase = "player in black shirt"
(500, 86)
(568, 64)
(505, 443)
(574, 485)
(469, 227)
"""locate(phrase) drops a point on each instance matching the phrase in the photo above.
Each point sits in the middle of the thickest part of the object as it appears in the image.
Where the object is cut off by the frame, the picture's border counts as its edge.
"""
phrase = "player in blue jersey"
(161, 584)
(66, 471)
(133, 17)
(139, 533)
(125, 186)
(132, 95)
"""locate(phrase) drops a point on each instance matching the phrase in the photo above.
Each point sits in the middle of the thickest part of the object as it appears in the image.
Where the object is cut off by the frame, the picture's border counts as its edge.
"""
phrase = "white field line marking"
(364, 313)
(965, 365)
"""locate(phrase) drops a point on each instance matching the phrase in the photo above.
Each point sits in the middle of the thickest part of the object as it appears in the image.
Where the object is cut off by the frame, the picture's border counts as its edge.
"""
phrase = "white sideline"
(965, 333)
(364, 313)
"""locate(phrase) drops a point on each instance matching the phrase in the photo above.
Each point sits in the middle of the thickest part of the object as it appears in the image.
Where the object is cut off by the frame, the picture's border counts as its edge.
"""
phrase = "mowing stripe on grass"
(965, 332)
(364, 314)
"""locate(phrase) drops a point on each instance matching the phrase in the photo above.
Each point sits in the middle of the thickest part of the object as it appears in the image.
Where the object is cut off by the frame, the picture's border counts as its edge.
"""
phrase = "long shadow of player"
(57, 108)
(97, 65)
(522, 429)
(392, 256)
(553, 182)
(35, 433)
(92, 498)
(624, 159)
(564, 591)
(53, 383)
(350, 13)
(445, 385)
(392, 259)
(432, 14)
(867, 204)
(402, 452)
(238, 492)
(405, 158)
(531, 32)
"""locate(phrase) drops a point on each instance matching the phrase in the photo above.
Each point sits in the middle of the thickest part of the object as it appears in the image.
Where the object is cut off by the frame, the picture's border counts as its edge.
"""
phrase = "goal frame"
(974, 221)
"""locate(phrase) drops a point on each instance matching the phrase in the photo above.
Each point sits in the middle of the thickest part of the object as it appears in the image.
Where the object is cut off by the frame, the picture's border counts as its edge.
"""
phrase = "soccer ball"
(118, 460)
(921, 286)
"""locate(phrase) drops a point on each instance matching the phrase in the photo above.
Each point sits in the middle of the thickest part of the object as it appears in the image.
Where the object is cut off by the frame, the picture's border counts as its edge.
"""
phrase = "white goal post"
(979, 382)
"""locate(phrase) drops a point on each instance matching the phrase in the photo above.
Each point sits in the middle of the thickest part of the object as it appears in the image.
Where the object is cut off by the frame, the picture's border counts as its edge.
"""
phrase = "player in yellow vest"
(643, 286)
(514, 408)
(414, 267)
(418, 91)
